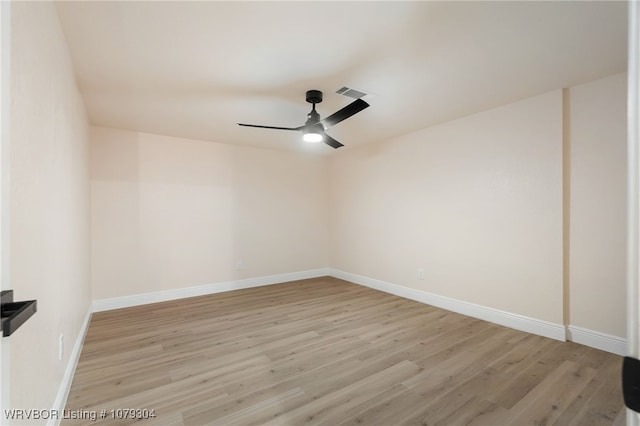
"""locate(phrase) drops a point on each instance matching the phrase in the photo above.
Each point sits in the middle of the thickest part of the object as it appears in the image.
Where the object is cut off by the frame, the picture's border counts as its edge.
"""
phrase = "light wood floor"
(324, 351)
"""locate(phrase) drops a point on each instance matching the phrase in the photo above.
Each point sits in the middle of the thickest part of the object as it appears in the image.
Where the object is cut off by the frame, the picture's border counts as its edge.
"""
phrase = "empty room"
(336, 213)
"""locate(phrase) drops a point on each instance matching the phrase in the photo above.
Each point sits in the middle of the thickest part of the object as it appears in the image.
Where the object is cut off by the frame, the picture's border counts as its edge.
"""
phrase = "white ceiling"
(195, 69)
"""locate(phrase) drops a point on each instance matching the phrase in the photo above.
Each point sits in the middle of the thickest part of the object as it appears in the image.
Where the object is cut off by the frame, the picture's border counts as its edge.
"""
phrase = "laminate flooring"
(325, 351)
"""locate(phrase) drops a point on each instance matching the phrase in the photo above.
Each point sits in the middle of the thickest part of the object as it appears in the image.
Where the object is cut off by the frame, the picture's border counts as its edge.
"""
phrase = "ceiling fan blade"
(346, 112)
(271, 127)
(331, 141)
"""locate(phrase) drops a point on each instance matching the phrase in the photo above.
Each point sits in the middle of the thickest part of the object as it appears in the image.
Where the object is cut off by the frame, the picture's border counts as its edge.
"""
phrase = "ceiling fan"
(314, 128)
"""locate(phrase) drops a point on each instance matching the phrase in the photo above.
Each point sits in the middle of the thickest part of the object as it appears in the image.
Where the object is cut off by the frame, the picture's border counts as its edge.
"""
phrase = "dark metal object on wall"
(14, 314)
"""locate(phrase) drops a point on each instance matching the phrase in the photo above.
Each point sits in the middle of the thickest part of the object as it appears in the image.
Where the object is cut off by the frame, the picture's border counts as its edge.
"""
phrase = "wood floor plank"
(548, 400)
(252, 414)
(383, 410)
(531, 375)
(597, 403)
(324, 351)
(341, 400)
(338, 374)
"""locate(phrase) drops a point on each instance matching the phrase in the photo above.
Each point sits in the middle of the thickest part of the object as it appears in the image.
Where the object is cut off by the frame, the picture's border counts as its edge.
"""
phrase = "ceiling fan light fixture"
(313, 129)
(312, 137)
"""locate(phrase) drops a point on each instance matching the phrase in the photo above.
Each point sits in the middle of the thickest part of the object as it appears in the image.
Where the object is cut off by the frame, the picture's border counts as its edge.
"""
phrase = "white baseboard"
(508, 319)
(181, 293)
(598, 340)
(63, 391)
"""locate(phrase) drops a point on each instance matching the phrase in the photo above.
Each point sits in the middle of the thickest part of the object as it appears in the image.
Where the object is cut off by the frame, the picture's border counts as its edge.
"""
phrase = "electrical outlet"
(61, 347)
(239, 265)
(420, 274)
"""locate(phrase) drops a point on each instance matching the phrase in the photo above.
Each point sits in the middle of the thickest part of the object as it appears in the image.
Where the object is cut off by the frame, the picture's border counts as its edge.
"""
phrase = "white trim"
(583, 336)
(5, 192)
(181, 293)
(598, 340)
(633, 183)
(633, 190)
(67, 379)
(508, 319)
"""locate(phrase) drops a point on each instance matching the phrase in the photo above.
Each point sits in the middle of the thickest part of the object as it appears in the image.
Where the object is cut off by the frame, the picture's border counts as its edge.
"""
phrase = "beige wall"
(49, 214)
(476, 203)
(169, 213)
(597, 117)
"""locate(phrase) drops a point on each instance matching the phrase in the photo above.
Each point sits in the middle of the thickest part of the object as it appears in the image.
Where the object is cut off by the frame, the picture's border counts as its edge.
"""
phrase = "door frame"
(633, 191)
(5, 102)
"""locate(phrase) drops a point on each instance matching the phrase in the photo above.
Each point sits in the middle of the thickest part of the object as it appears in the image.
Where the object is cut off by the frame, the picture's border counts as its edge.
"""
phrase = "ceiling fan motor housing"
(314, 96)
